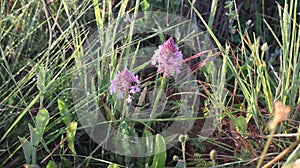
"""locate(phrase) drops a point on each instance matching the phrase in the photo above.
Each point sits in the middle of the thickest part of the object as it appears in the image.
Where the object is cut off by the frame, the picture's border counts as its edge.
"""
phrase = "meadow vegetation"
(242, 77)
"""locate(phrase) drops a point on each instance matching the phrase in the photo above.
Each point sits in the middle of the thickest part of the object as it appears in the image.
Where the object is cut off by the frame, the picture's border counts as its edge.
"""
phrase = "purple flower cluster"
(168, 58)
(125, 83)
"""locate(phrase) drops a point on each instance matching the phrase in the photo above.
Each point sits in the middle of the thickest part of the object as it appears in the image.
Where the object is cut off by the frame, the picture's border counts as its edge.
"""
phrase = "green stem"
(124, 110)
(260, 162)
(183, 154)
(33, 155)
(161, 89)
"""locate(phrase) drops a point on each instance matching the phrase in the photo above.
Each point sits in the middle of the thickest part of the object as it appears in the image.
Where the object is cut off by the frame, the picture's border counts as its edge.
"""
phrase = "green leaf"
(34, 138)
(160, 157)
(63, 109)
(66, 162)
(149, 141)
(113, 166)
(241, 124)
(42, 120)
(51, 164)
(145, 5)
(41, 78)
(27, 148)
(71, 136)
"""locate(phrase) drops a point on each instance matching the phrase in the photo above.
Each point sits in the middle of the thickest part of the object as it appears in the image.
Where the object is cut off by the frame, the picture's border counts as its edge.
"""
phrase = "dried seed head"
(281, 113)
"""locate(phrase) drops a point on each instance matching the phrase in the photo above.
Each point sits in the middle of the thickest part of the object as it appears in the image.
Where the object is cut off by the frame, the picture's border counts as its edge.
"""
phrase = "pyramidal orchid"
(168, 58)
(125, 84)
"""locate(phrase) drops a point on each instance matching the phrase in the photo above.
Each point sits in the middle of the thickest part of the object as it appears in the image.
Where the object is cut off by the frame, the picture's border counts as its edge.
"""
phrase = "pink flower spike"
(168, 58)
(123, 85)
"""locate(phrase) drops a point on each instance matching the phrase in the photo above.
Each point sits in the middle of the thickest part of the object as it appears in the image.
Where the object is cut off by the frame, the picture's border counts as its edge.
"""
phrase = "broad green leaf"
(113, 166)
(241, 124)
(126, 144)
(149, 141)
(145, 5)
(42, 120)
(63, 109)
(27, 148)
(160, 157)
(41, 78)
(71, 136)
(66, 162)
(34, 138)
(51, 164)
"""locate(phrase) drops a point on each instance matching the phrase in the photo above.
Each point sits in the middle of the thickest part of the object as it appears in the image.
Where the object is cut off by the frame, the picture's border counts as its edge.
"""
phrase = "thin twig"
(281, 155)
(255, 159)
(292, 135)
(56, 147)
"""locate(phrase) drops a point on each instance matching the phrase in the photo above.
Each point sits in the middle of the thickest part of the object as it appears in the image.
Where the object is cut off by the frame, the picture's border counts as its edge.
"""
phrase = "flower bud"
(264, 47)
(213, 155)
(183, 138)
(175, 158)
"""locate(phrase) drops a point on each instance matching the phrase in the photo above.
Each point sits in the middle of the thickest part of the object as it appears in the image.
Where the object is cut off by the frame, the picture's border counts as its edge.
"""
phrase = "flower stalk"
(281, 113)
(161, 90)
(168, 60)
